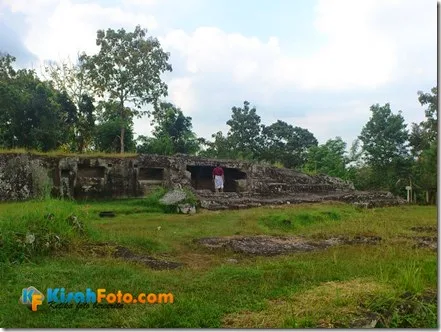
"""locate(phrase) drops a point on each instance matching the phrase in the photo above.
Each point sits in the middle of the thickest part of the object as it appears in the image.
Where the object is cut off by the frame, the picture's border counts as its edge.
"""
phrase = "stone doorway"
(201, 178)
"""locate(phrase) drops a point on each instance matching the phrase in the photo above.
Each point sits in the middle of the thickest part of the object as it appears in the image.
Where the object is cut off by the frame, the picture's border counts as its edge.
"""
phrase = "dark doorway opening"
(201, 178)
(150, 178)
(151, 174)
(85, 171)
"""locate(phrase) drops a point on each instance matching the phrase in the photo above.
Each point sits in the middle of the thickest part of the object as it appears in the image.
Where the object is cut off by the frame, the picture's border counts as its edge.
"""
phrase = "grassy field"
(391, 284)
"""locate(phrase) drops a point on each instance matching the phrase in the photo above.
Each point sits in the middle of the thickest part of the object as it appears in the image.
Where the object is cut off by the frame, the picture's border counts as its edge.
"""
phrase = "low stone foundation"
(247, 184)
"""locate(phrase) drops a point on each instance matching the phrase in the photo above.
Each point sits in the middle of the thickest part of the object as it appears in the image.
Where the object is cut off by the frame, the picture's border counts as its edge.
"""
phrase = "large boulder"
(179, 199)
(173, 197)
(186, 208)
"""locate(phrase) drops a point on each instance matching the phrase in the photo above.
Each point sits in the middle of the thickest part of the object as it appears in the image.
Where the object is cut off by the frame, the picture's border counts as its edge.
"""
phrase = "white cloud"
(367, 46)
(333, 121)
(27, 6)
(356, 53)
(60, 29)
(181, 92)
(140, 2)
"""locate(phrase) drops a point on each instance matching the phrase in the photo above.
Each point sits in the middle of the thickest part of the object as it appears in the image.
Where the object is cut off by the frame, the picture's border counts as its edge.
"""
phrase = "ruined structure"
(247, 184)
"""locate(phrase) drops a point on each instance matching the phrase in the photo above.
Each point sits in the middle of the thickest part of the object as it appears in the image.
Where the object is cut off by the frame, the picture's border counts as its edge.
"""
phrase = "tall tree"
(219, 148)
(384, 140)
(329, 158)
(127, 70)
(425, 133)
(424, 143)
(108, 130)
(286, 144)
(172, 132)
(384, 136)
(106, 137)
(244, 133)
(33, 114)
(85, 123)
(70, 79)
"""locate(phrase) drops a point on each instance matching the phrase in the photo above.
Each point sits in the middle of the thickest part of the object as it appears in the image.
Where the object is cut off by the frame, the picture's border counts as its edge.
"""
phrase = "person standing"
(218, 178)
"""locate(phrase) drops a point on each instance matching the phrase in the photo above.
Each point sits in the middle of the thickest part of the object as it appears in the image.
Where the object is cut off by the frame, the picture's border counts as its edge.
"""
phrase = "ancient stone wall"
(25, 176)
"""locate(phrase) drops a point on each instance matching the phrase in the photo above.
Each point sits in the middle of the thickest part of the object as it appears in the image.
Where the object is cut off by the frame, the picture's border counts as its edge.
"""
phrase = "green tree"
(384, 139)
(329, 158)
(244, 135)
(108, 130)
(424, 143)
(85, 123)
(11, 98)
(127, 70)
(71, 80)
(424, 134)
(286, 144)
(33, 114)
(172, 132)
(155, 145)
(431, 123)
(384, 136)
(219, 148)
(106, 138)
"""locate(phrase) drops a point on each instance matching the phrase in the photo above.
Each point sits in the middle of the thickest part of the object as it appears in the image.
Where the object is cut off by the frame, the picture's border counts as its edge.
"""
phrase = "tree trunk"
(123, 125)
(123, 131)
(81, 145)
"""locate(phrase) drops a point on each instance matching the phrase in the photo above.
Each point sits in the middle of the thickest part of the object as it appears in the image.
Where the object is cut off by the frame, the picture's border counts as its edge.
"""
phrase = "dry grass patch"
(331, 304)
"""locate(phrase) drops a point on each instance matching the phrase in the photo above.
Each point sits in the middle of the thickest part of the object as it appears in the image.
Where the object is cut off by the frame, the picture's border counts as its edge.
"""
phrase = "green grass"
(33, 229)
(328, 288)
(299, 220)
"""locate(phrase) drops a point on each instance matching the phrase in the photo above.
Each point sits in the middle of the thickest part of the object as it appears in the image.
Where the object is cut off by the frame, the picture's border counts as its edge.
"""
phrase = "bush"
(39, 229)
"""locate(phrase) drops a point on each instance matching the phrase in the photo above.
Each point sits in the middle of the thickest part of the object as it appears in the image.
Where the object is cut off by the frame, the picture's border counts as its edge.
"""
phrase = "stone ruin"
(247, 184)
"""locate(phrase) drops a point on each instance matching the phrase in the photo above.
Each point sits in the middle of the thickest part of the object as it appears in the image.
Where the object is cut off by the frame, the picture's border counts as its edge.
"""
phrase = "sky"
(318, 65)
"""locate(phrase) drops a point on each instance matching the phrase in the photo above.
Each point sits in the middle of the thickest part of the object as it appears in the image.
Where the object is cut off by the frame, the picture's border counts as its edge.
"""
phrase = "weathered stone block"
(186, 209)
(241, 185)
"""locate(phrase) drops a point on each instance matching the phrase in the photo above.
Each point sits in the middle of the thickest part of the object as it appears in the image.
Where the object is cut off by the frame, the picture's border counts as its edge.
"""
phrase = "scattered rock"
(111, 250)
(103, 214)
(424, 229)
(186, 208)
(154, 263)
(430, 242)
(30, 238)
(232, 260)
(173, 197)
(360, 205)
(368, 321)
(363, 240)
(276, 245)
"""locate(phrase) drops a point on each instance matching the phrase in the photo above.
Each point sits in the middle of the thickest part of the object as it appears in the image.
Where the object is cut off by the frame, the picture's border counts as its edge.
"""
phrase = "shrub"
(39, 229)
